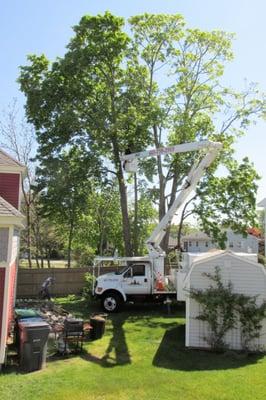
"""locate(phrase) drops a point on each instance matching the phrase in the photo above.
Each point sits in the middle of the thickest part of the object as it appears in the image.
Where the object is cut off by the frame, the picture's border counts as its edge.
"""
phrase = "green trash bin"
(97, 323)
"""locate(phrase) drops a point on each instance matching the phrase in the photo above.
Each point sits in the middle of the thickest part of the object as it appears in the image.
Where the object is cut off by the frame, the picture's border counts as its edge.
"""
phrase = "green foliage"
(228, 201)
(87, 289)
(100, 228)
(146, 222)
(222, 310)
(250, 316)
(217, 309)
(64, 184)
(106, 94)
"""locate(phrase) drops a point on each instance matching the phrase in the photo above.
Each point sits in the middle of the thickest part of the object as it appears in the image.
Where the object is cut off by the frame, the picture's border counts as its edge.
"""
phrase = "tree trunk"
(182, 219)
(37, 260)
(162, 208)
(28, 236)
(123, 200)
(135, 232)
(165, 241)
(48, 258)
(180, 227)
(42, 263)
(69, 246)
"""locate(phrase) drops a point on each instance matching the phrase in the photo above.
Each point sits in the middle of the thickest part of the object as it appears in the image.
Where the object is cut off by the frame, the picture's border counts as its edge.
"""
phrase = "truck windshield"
(122, 270)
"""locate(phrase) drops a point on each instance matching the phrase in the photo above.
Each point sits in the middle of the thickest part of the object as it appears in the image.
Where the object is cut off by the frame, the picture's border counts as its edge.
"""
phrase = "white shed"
(247, 276)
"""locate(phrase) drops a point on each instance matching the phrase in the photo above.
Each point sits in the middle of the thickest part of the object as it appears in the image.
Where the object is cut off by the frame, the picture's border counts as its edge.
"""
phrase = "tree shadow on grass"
(172, 354)
(117, 352)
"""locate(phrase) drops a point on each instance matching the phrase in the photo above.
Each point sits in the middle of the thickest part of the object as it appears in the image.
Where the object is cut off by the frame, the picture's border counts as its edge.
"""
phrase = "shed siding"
(2, 287)
(249, 279)
(9, 188)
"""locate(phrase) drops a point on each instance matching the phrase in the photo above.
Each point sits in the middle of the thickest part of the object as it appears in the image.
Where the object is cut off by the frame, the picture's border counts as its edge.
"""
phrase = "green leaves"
(158, 84)
(223, 309)
(228, 201)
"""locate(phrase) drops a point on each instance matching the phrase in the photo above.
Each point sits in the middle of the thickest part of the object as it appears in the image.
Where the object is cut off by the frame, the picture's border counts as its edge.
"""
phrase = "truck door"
(136, 279)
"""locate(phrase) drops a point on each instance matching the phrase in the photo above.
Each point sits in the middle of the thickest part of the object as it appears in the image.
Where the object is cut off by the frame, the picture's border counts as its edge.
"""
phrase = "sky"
(37, 27)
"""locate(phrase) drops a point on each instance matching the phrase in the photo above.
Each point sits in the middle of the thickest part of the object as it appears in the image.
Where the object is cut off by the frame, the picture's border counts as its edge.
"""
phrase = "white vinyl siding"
(247, 278)
(4, 233)
(15, 245)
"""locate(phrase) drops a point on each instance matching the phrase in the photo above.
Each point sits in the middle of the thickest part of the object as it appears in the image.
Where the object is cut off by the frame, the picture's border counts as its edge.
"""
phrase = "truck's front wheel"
(111, 302)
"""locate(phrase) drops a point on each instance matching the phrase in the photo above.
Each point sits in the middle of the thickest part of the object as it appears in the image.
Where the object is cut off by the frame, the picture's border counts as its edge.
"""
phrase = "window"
(206, 244)
(190, 244)
(197, 244)
(139, 270)
(128, 273)
(3, 244)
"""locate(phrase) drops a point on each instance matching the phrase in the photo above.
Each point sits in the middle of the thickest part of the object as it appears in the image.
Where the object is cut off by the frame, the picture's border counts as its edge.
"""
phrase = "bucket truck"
(144, 277)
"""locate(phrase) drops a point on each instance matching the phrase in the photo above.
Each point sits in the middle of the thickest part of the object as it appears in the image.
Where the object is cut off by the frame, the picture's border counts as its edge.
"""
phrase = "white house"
(199, 242)
(247, 276)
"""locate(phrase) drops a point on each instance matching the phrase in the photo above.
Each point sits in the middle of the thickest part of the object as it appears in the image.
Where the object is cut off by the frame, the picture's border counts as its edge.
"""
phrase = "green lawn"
(142, 356)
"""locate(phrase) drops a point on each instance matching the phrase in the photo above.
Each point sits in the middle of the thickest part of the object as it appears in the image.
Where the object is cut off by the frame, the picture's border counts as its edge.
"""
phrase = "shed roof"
(221, 253)
(7, 210)
(8, 161)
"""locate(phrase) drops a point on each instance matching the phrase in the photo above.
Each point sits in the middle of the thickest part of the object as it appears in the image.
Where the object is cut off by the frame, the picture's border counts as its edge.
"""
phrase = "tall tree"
(160, 86)
(191, 104)
(93, 94)
(65, 183)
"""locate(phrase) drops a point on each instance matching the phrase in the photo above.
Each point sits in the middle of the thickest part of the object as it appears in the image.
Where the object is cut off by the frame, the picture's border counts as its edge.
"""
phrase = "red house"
(11, 221)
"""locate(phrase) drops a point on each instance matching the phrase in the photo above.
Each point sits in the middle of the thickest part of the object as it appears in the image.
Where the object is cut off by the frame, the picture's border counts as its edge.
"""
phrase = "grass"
(141, 356)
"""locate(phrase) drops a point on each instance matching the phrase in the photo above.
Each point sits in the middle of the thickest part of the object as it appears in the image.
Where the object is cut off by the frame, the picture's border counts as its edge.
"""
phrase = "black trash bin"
(33, 337)
(97, 323)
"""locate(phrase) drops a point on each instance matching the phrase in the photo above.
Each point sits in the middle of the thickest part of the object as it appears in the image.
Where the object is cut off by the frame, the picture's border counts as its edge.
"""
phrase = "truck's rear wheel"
(111, 302)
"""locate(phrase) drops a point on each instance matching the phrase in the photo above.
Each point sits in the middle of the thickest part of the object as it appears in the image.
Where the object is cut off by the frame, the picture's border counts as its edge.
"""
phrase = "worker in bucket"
(45, 288)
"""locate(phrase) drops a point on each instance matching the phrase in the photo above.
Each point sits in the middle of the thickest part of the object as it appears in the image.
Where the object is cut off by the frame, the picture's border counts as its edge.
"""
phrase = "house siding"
(11, 298)
(249, 279)
(9, 188)
(2, 287)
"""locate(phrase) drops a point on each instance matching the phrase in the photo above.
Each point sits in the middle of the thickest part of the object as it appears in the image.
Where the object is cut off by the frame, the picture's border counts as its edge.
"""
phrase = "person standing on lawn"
(45, 288)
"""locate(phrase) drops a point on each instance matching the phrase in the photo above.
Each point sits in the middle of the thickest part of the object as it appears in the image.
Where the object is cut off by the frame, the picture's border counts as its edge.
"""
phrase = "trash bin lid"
(32, 323)
(22, 313)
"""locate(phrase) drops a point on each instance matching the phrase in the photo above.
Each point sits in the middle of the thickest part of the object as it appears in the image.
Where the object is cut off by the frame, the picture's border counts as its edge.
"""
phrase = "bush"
(223, 309)
(87, 290)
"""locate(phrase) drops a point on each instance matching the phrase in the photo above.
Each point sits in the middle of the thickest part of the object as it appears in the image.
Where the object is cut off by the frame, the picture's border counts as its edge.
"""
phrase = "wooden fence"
(67, 281)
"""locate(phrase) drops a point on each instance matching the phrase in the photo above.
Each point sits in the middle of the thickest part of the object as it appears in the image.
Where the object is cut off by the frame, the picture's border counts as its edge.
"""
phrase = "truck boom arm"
(211, 149)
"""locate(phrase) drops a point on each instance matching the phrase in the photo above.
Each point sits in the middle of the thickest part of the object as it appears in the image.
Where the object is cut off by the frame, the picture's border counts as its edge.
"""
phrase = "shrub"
(87, 289)
(223, 310)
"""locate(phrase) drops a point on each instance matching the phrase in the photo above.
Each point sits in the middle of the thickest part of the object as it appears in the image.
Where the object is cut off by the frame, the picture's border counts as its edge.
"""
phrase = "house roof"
(196, 236)
(8, 161)
(7, 210)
